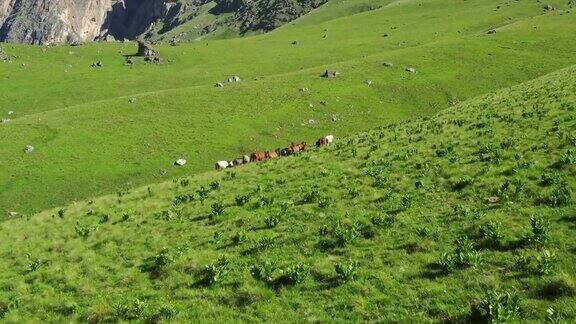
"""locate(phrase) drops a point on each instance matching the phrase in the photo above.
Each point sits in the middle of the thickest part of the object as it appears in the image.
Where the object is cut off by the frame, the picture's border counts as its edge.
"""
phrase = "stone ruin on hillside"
(145, 50)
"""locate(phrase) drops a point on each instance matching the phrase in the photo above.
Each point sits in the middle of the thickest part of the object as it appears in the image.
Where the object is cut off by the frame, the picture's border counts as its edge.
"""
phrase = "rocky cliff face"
(47, 21)
(71, 21)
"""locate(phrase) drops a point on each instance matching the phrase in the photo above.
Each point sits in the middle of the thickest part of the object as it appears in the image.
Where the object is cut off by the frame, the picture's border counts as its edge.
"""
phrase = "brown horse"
(298, 147)
(322, 141)
(272, 154)
(258, 156)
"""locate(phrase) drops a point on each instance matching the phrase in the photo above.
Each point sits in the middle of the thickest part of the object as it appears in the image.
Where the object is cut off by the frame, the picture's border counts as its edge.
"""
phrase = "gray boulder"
(28, 149)
(330, 74)
(411, 70)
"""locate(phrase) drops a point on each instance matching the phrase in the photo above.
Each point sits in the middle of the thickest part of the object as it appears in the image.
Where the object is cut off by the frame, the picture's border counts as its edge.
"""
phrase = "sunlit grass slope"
(437, 219)
(90, 140)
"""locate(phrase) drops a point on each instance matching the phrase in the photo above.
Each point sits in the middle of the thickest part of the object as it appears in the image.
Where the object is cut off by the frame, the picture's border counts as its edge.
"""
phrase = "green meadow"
(466, 216)
(447, 195)
(90, 140)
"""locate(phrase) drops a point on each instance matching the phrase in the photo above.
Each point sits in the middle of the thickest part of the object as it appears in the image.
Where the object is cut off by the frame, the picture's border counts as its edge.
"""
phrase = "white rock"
(180, 162)
(28, 149)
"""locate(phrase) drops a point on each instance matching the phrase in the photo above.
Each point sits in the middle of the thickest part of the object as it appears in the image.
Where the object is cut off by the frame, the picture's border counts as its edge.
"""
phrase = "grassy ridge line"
(402, 195)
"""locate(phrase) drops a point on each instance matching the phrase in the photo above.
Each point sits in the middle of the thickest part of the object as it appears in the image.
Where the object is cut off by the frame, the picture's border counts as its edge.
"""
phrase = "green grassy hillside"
(438, 219)
(90, 140)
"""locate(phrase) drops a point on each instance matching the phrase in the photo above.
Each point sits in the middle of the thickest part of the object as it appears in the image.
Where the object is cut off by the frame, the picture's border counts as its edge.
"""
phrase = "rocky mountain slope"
(70, 21)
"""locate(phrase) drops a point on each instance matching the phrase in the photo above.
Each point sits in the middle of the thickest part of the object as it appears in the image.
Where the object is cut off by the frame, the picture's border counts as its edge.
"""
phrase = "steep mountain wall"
(70, 21)
(51, 21)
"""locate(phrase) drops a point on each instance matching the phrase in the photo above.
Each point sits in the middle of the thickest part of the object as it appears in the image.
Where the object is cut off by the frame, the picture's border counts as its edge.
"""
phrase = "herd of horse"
(260, 156)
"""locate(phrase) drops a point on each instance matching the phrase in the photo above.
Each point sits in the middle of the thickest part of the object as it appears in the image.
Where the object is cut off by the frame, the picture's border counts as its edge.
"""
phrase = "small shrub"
(216, 272)
(184, 182)
(353, 192)
(345, 234)
(130, 310)
(346, 271)
(539, 231)
(33, 264)
(293, 275)
(157, 264)
(82, 230)
(560, 195)
(383, 221)
(125, 217)
(104, 218)
(217, 210)
(242, 200)
(239, 238)
(492, 232)
(324, 202)
(446, 262)
(264, 201)
(522, 262)
(271, 221)
(202, 194)
(465, 254)
(182, 199)
(261, 245)
(495, 308)
(263, 271)
(545, 263)
(215, 185)
(312, 196)
(424, 231)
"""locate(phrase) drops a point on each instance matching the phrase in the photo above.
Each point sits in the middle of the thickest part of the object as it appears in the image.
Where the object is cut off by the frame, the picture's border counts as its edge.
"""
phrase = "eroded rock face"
(72, 21)
(78, 21)
(51, 21)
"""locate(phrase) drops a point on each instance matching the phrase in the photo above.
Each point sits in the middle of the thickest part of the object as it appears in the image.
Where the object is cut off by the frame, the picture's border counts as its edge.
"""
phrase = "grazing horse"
(221, 165)
(298, 147)
(321, 142)
(271, 154)
(258, 156)
(325, 140)
(286, 151)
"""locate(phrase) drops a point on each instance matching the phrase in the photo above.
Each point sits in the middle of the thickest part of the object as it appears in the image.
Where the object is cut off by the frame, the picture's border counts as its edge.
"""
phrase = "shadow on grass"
(434, 271)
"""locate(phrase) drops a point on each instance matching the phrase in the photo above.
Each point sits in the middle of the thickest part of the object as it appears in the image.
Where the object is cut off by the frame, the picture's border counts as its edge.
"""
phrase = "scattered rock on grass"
(388, 64)
(234, 78)
(180, 162)
(492, 31)
(493, 200)
(98, 64)
(28, 149)
(329, 74)
(411, 70)
(219, 85)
